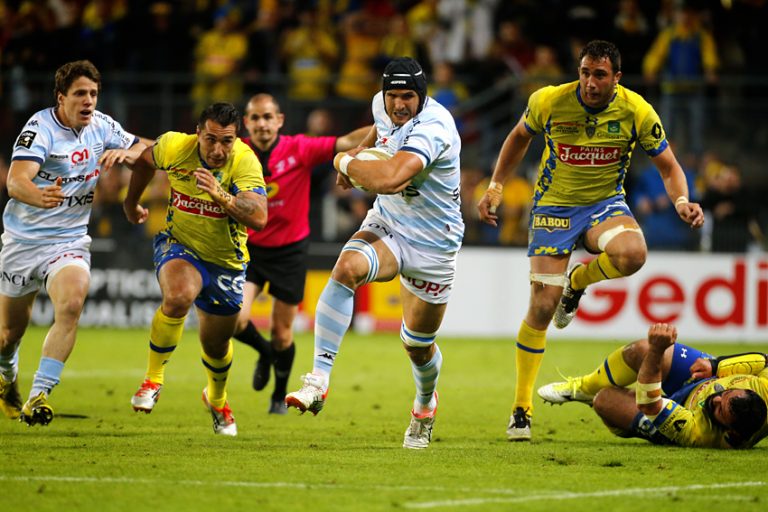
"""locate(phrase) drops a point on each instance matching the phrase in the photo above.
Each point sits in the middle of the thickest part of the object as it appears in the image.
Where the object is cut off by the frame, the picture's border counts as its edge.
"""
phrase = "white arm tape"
(344, 163)
(647, 393)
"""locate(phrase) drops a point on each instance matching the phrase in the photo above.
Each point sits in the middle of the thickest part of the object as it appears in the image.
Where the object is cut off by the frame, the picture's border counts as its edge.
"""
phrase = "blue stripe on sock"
(608, 372)
(529, 349)
(161, 350)
(216, 370)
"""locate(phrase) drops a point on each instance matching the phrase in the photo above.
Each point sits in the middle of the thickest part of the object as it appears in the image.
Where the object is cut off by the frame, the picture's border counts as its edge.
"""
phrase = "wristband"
(343, 163)
(680, 200)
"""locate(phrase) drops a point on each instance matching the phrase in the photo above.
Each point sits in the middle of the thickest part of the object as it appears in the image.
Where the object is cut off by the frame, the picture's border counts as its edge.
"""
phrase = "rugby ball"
(370, 154)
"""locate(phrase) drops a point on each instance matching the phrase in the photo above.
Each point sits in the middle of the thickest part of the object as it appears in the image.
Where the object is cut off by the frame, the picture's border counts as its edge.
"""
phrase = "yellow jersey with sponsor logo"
(688, 424)
(588, 150)
(194, 219)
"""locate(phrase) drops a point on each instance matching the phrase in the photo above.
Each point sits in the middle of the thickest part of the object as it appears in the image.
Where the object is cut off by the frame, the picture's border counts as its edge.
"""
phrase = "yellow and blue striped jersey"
(193, 218)
(688, 424)
(588, 150)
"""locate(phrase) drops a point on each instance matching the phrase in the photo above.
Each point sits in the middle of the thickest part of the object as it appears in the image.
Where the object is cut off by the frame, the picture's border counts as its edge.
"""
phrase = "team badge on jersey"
(26, 138)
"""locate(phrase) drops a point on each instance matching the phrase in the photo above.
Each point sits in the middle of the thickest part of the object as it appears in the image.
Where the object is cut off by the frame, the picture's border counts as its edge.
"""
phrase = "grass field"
(100, 455)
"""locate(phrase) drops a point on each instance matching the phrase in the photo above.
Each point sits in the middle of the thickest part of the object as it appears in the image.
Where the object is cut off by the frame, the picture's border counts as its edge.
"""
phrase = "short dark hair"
(70, 72)
(223, 113)
(599, 49)
(750, 413)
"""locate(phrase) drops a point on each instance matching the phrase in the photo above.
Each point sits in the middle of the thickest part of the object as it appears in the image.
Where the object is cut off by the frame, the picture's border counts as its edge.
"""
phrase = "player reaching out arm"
(56, 162)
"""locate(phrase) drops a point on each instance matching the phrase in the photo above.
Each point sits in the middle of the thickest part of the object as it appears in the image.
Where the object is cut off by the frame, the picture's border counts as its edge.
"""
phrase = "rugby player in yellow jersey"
(217, 190)
(590, 128)
(683, 396)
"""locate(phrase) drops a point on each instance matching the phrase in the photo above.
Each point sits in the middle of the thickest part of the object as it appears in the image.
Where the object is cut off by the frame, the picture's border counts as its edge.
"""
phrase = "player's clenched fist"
(661, 336)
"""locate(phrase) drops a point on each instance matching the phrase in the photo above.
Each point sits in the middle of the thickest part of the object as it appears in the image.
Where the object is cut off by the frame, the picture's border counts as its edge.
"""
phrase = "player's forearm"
(21, 188)
(140, 178)
(512, 152)
(356, 138)
(247, 208)
(648, 391)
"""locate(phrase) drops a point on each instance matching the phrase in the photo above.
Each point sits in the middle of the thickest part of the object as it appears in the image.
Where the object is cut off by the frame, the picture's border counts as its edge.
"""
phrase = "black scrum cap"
(405, 73)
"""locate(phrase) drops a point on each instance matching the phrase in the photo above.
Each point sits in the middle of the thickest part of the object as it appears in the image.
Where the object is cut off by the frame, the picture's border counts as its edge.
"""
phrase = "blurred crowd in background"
(700, 63)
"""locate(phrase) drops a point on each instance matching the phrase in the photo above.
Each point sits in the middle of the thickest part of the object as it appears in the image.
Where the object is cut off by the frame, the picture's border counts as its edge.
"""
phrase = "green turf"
(100, 455)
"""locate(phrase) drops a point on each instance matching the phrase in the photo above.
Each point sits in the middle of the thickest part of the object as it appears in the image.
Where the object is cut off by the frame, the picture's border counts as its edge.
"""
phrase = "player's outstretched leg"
(569, 390)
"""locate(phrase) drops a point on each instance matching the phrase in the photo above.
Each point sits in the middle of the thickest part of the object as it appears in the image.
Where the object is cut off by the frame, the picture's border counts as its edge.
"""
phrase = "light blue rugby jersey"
(61, 151)
(427, 213)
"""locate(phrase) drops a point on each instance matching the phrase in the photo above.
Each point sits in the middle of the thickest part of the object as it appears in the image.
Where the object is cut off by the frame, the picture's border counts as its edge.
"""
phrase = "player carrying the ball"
(414, 230)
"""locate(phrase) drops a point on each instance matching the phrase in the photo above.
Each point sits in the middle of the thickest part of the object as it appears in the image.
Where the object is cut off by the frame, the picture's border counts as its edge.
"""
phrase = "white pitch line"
(555, 496)
(579, 495)
(201, 483)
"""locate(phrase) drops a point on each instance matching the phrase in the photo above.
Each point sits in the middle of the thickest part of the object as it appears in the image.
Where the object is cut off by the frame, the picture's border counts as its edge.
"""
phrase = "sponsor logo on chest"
(196, 205)
(587, 156)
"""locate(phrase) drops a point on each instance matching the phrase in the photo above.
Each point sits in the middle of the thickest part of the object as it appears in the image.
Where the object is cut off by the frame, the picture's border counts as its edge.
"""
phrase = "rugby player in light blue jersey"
(414, 230)
(590, 127)
(56, 162)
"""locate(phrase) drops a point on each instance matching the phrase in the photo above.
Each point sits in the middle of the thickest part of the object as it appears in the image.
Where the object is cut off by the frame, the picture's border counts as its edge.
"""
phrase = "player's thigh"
(215, 332)
(68, 288)
(181, 280)
(419, 315)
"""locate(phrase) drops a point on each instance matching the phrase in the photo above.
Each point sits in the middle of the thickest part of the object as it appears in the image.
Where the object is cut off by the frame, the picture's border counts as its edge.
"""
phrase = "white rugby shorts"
(25, 267)
(428, 274)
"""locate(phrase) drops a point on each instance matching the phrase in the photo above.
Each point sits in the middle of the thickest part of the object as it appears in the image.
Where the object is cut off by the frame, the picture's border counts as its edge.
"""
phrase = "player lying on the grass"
(683, 396)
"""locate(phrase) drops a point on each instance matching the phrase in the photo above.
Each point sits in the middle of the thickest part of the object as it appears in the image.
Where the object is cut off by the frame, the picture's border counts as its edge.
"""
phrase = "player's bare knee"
(634, 353)
(176, 303)
(602, 402)
(69, 308)
(628, 260)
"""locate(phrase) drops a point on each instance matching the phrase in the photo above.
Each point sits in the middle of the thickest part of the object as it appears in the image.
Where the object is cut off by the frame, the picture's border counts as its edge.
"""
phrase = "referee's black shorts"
(284, 268)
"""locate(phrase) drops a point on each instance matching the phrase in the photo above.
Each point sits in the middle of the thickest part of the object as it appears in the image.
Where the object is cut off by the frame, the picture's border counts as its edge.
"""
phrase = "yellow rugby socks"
(218, 373)
(599, 269)
(613, 372)
(164, 335)
(528, 356)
